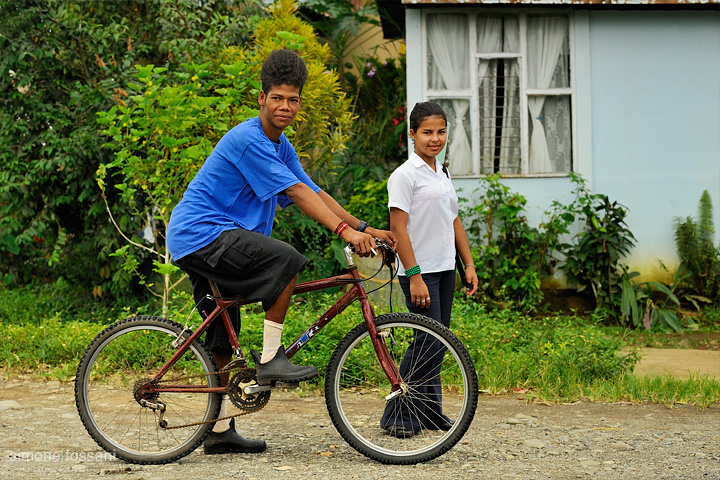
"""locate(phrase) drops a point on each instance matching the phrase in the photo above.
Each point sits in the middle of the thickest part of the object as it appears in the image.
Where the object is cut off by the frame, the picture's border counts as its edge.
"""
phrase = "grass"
(556, 358)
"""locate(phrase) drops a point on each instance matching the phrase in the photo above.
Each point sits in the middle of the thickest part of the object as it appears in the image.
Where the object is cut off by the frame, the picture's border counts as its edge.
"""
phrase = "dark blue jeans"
(424, 409)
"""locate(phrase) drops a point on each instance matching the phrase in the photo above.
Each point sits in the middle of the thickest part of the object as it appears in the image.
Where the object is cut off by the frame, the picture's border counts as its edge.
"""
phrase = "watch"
(361, 226)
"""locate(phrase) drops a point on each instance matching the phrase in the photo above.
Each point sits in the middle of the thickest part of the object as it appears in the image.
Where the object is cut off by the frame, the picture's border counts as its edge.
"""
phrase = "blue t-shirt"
(239, 185)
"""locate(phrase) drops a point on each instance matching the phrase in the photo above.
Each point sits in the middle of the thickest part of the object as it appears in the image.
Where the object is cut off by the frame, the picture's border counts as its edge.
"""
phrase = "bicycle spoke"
(124, 357)
(436, 409)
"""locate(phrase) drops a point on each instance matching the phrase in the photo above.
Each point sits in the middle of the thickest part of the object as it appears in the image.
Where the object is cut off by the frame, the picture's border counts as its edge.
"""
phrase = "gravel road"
(42, 437)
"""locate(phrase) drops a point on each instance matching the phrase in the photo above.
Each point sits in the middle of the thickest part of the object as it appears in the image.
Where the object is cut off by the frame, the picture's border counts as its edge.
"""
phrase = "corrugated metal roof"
(609, 3)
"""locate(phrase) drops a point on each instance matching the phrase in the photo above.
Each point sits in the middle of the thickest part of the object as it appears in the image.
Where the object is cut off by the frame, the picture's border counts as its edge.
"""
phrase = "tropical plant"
(511, 255)
(595, 261)
(379, 138)
(694, 240)
(342, 25)
(649, 304)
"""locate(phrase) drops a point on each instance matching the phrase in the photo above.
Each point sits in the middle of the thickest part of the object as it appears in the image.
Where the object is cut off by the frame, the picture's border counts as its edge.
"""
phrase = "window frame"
(471, 94)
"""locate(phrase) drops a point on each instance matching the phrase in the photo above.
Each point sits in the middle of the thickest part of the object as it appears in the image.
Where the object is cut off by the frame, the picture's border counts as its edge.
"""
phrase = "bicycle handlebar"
(385, 249)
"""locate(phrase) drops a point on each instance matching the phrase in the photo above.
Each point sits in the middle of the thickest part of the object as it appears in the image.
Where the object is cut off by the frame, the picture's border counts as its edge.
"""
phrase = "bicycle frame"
(357, 290)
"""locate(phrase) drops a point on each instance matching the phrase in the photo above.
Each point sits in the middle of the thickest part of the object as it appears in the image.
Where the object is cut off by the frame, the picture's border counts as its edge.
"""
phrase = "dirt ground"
(680, 362)
(41, 436)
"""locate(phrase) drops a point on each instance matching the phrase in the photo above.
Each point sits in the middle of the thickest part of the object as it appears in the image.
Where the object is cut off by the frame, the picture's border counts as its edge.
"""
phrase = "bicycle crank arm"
(253, 389)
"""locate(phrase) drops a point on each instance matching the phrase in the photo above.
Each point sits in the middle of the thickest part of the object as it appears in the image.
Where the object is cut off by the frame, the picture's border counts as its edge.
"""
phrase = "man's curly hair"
(283, 67)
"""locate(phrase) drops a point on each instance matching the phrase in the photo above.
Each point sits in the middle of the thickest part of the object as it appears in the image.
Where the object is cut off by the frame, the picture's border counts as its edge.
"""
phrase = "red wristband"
(340, 228)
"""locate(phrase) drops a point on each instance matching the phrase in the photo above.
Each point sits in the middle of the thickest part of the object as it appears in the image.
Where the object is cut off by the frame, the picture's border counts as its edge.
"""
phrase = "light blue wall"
(656, 119)
(648, 120)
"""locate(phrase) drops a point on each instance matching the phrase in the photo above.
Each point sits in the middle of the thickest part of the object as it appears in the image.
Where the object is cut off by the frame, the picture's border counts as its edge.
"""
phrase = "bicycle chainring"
(243, 401)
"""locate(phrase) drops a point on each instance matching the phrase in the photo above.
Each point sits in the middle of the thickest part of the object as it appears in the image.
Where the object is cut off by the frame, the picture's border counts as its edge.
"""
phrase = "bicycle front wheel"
(422, 423)
(149, 428)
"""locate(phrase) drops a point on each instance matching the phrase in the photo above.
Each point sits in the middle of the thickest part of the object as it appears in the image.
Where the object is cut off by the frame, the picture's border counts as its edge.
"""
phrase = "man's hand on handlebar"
(363, 243)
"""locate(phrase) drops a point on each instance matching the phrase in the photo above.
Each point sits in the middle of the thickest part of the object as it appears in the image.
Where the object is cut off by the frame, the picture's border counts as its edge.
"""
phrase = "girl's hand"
(471, 277)
(419, 292)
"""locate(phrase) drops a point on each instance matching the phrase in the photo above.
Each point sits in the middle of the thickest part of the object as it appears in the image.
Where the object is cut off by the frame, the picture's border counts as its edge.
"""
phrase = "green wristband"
(412, 271)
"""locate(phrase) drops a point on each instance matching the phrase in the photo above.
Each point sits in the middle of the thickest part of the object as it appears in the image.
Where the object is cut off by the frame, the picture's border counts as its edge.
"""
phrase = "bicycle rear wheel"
(435, 411)
(144, 428)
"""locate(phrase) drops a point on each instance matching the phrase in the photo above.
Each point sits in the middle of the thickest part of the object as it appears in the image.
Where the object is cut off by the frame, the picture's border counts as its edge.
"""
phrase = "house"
(626, 93)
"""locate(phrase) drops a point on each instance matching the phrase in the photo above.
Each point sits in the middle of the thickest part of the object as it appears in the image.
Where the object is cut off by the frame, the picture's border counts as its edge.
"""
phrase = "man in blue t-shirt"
(221, 229)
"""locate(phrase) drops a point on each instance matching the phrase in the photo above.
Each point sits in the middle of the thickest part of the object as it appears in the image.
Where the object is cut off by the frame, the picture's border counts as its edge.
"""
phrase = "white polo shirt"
(431, 203)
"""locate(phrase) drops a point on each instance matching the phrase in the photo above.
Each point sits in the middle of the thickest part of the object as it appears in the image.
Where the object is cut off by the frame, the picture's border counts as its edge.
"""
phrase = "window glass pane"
(555, 122)
(497, 34)
(448, 51)
(494, 128)
(547, 51)
(459, 152)
(499, 116)
(561, 75)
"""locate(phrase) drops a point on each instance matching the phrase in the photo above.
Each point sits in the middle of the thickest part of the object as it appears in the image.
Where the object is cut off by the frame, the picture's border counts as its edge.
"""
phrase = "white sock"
(272, 336)
(222, 425)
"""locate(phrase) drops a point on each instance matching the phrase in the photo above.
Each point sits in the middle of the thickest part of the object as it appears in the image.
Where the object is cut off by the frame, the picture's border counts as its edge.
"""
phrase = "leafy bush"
(694, 240)
(342, 25)
(160, 137)
(595, 261)
(378, 141)
(163, 133)
(62, 62)
(512, 256)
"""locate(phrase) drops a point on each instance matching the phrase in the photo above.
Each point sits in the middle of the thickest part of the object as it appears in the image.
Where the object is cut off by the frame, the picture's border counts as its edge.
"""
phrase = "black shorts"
(242, 263)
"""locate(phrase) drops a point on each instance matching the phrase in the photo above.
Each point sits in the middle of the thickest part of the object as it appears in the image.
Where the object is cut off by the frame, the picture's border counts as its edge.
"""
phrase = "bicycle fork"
(398, 386)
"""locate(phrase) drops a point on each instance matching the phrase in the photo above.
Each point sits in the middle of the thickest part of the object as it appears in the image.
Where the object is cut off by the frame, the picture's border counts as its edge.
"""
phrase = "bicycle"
(149, 391)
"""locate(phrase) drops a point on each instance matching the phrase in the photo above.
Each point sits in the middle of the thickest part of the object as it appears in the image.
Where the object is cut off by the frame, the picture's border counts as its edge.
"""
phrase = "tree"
(165, 130)
(62, 62)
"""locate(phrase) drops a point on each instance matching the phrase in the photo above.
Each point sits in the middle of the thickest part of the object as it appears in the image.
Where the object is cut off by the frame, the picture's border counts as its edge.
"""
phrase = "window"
(504, 81)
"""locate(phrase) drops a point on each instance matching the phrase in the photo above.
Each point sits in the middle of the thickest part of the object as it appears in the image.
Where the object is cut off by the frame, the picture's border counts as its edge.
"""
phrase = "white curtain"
(448, 41)
(545, 37)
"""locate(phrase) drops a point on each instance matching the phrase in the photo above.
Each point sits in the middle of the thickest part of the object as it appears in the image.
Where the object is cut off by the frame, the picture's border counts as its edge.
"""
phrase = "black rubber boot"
(279, 369)
(230, 441)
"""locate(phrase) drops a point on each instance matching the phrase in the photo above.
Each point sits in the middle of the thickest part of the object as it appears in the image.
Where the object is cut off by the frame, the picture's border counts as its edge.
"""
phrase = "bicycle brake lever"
(389, 254)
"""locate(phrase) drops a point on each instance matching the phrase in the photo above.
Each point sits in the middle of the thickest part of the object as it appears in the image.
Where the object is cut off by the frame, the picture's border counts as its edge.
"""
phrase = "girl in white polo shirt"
(424, 219)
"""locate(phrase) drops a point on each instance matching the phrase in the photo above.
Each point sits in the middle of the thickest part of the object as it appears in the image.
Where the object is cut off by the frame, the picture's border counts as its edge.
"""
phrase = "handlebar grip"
(387, 252)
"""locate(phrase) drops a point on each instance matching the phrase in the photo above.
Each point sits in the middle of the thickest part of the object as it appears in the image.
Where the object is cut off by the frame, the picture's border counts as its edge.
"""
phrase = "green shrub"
(511, 255)
(595, 261)
(62, 62)
(694, 240)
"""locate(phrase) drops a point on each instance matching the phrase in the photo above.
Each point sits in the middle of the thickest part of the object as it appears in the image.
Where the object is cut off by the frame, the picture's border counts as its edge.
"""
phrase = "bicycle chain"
(249, 372)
